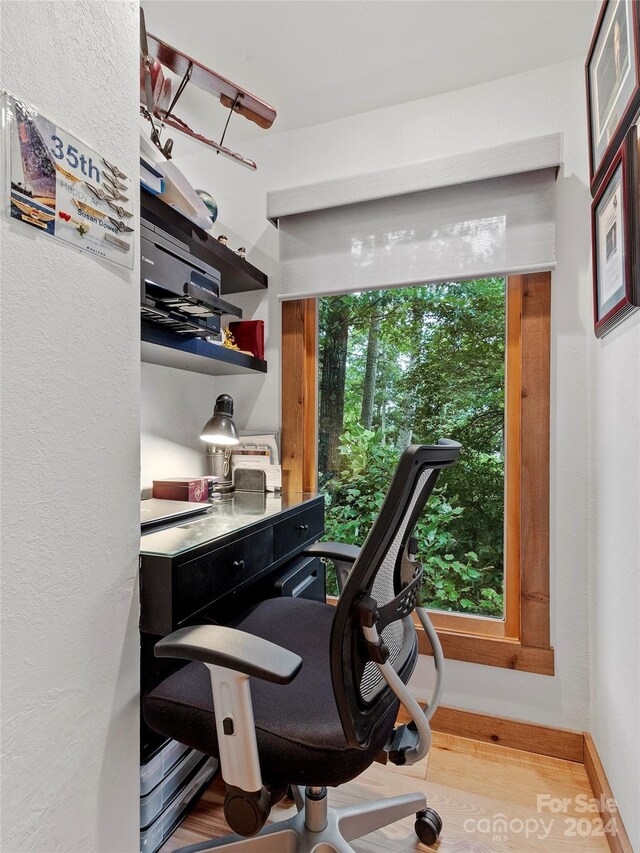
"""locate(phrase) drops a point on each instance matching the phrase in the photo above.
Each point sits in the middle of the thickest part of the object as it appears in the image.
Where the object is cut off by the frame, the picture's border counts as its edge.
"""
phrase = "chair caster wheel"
(428, 826)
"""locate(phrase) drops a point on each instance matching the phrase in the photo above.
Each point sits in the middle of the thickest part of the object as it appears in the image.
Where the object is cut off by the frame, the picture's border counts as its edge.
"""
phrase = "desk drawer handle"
(238, 564)
(303, 528)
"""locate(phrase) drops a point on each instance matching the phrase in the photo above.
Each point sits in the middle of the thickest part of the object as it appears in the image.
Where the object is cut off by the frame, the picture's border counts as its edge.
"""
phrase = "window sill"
(503, 652)
(491, 651)
(463, 623)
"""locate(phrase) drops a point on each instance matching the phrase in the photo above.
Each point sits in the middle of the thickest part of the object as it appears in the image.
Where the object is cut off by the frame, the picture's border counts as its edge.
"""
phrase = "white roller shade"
(500, 224)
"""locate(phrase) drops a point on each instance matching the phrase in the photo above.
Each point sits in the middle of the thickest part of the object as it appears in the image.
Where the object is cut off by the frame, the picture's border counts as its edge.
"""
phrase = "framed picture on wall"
(613, 82)
(616, 239)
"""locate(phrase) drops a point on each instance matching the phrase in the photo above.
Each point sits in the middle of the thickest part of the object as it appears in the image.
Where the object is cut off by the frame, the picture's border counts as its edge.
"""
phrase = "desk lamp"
(220, 428)
(221, 432)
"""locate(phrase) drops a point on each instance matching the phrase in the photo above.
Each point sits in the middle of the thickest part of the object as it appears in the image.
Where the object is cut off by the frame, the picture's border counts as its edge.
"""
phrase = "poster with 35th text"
(62, 187)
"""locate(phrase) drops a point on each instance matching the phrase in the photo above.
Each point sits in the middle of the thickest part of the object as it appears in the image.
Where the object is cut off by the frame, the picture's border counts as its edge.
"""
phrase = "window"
(518, 636)
(411, 365)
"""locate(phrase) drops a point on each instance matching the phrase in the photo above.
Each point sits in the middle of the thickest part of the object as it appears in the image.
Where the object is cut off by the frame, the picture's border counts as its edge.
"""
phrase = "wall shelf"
(161, 346)
(238, 275)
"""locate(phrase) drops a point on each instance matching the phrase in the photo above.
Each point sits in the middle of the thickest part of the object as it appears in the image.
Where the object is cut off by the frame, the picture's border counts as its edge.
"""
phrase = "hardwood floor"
(476, 787)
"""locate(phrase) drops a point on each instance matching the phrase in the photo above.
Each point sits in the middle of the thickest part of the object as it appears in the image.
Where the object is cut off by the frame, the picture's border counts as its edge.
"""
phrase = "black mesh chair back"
(385, 576)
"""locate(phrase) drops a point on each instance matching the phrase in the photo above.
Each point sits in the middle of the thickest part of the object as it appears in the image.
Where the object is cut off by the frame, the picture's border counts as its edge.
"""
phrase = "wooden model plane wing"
(204, 78)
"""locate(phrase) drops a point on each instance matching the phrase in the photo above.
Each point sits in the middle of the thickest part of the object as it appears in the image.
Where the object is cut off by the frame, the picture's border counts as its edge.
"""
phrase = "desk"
(187, 568)
(211, 568)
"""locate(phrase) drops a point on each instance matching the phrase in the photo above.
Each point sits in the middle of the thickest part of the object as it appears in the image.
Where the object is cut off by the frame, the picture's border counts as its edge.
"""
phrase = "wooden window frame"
(522, 639)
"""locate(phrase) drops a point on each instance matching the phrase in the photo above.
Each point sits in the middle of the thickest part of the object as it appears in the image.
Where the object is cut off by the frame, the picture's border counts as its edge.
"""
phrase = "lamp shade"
(220, 428)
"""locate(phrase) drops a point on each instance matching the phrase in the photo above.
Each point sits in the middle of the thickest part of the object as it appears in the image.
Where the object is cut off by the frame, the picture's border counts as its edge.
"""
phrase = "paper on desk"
(266, 438)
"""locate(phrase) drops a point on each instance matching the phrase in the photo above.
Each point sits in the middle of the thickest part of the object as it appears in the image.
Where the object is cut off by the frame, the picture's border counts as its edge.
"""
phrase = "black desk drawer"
(290, 533)
(199, 582)
(302, 578)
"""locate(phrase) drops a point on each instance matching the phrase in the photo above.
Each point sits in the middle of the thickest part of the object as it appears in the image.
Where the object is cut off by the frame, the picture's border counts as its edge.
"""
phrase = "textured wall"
(70, 459)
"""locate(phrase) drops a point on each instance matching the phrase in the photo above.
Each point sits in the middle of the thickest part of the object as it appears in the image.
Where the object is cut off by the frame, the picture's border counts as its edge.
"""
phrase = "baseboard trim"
(566, 744)
(618, 840)
(531, 737)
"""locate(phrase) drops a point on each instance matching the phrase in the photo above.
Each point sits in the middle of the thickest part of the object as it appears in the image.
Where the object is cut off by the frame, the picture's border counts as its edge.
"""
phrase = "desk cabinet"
(189, 569)
(199, 582)
(293, 533)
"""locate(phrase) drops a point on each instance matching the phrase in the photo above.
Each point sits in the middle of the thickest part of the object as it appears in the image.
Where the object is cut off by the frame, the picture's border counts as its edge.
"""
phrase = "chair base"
(316, 828)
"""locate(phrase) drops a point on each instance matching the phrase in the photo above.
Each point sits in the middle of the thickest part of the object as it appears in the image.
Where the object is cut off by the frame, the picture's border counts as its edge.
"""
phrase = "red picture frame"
(615, 239)
(610, 117)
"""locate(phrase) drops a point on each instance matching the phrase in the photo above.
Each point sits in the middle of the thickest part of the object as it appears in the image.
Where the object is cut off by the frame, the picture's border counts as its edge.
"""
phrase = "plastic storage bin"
(155, 801)
(163, 826)
(154, 770)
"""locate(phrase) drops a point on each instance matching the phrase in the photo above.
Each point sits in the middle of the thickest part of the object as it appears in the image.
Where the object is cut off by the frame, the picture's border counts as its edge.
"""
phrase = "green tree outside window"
(412, 365)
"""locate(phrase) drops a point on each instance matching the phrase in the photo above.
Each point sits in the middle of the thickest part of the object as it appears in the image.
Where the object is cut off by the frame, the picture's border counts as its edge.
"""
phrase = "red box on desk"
(249, 336)
(194, 489)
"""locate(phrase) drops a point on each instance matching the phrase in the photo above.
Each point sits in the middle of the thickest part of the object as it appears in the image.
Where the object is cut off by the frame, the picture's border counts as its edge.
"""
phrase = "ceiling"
(318, 60)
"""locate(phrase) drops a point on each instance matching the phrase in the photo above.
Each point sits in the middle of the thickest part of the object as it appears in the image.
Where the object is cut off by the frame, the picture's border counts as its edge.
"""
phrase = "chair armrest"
(342, 556)
(334, 551)
(231, 649)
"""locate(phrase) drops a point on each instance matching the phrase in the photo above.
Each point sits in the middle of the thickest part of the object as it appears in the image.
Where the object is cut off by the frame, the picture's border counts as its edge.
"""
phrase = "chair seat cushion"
(298, 729)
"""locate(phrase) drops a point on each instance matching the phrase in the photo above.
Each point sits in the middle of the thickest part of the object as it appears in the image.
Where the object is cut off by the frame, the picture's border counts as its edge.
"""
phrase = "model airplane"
(157, 104)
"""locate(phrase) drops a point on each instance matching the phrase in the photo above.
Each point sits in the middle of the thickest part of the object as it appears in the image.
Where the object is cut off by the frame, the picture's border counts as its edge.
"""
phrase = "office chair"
(304, 695)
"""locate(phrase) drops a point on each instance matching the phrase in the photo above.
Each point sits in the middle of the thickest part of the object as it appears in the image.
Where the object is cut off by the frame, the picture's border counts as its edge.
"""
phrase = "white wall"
(547, 100)
(175, 405)
(70, 414)
(614, 562)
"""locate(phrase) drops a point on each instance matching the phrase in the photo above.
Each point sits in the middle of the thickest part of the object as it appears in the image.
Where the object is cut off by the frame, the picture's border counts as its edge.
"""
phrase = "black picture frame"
(612, 72)
(615, 239)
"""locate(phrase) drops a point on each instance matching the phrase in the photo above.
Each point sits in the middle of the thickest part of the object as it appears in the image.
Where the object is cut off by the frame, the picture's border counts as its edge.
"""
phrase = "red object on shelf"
(195, 489)
(249, 336)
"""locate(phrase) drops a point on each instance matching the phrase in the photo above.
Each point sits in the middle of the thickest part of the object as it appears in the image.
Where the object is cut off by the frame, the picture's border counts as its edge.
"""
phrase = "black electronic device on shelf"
(178, 290)
(237, 275)
(184, 275)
